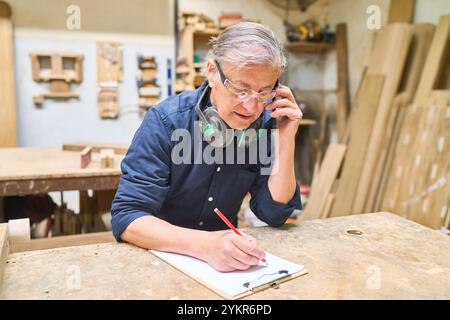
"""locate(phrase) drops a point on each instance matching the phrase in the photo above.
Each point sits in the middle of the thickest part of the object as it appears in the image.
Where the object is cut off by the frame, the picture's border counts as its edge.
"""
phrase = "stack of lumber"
(398, 132)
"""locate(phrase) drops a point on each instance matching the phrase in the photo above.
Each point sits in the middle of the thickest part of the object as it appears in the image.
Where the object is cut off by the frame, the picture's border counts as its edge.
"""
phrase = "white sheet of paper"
(231, 283)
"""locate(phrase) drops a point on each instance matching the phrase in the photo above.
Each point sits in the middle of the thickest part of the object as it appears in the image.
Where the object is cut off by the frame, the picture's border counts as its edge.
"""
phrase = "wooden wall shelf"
(309, 47)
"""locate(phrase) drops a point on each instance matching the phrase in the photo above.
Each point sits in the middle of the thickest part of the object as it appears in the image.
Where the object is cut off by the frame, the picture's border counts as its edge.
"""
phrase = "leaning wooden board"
(329, 169)
(392, 41)
(8, 126)
(420, 187)
(437, 197)
(431, 71)
(401, 11)
(363, 113)
(425, 192)
(436, 59)
(343, 90)
(399, 106)
(4, 249)
(398, 173)
(420, 45)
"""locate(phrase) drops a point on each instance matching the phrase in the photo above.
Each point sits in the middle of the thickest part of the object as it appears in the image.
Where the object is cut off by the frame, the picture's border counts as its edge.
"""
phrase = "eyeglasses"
(245, 94)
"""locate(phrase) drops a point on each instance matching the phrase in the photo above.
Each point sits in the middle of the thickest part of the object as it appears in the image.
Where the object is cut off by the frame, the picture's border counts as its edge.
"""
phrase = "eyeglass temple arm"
(222, 75)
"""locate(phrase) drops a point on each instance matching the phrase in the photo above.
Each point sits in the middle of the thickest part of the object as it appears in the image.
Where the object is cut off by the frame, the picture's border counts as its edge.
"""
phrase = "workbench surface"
(35, 170)
(393, 258)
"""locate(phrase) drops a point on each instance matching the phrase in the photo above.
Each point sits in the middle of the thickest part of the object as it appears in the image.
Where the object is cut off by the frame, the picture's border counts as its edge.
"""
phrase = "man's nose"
(251, 104)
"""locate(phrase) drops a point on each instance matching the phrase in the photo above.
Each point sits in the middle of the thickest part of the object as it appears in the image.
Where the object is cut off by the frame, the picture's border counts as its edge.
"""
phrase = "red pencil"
(229, 224)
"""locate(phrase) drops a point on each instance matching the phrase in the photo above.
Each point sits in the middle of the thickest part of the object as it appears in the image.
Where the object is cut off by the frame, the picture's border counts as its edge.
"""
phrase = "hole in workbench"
(355, 232)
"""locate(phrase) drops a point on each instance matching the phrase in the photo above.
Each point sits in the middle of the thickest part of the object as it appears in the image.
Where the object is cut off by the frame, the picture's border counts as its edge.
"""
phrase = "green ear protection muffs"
(214, 129)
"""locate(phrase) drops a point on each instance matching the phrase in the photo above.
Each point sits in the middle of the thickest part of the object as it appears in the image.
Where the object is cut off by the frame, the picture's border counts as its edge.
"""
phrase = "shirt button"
(210, 199)
(218, 169)
(200, 223)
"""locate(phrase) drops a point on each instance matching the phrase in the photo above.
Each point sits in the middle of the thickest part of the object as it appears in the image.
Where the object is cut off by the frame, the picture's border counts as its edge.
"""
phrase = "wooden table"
(393, 258)
(39, 170)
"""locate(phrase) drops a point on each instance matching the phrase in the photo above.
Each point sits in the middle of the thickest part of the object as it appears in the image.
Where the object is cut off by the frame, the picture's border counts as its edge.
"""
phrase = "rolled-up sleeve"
(145, 178)
(272, 212)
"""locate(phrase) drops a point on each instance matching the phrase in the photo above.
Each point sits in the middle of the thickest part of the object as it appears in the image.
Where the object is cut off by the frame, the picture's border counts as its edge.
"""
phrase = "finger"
(249, 247)
(244, 257)
(282, 103)
(238, 265)
(286, 112)
(285, 92)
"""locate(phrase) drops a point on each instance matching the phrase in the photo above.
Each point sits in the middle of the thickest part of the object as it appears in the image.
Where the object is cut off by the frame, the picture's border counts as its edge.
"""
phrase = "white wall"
(430, 10)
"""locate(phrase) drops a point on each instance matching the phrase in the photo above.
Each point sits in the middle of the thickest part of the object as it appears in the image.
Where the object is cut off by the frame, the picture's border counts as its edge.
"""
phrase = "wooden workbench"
(393, 258)
(38, 170)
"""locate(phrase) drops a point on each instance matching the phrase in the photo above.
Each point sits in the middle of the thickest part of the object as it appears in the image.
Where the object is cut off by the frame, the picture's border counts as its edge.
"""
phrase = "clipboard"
(237, 284)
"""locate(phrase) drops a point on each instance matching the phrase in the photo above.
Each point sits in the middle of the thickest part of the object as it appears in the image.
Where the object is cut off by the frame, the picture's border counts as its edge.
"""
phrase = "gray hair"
(247, 43)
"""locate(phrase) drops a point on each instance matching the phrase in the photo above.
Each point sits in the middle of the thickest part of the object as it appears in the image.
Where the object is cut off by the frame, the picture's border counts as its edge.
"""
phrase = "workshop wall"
(143, 26)
(153, 17)
(72, 120)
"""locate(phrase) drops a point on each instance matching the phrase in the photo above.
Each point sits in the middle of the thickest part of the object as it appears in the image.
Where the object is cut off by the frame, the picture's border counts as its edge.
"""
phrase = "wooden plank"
(433, 205)
(96, 147)
(350, 117)
(447, 219)
(422, 36)
(401, 11)
(4, 249)
(363, 113)
(420, 44)
(399, 106)
(397, 110)
(436, 58)
(8, 116)
(388, 58)
(420, 189)
(342, 91)
(328, 206)
(420, 165)
(328, 171)
(398, 174)
(63, 241)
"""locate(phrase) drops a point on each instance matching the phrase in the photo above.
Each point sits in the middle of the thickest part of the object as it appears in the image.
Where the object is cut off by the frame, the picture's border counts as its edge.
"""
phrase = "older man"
(166, 205)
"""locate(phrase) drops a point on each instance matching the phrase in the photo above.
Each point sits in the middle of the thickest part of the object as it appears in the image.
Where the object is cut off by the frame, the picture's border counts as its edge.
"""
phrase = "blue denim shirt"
(186, 194)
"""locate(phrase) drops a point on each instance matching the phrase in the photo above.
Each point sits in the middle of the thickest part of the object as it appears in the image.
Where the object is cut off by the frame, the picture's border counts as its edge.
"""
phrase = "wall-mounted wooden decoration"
(109, 74)
(148, 88)
(59, 69)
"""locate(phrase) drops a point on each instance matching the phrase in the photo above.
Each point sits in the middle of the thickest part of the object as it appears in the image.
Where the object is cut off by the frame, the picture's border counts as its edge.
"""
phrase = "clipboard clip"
(272, 284)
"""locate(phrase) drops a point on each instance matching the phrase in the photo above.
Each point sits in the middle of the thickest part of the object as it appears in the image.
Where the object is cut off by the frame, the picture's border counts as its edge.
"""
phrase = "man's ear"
(211, 73)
